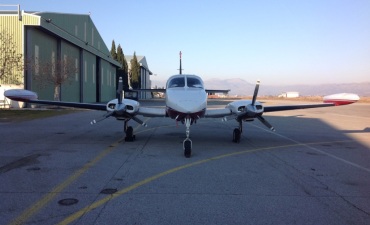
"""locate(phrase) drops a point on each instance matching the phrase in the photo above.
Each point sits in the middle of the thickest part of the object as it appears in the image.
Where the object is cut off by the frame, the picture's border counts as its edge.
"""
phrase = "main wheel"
(129, 134)
(187, 148)
(236, 135)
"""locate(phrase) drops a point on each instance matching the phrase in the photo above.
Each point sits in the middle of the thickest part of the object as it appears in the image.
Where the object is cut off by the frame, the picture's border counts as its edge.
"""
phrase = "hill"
(239, 86)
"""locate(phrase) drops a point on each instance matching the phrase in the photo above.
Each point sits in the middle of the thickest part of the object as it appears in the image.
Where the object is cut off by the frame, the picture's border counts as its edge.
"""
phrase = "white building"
(290, 94)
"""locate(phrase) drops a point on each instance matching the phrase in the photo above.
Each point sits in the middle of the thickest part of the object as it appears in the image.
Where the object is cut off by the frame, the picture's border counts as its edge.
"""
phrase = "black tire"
(130, 134)
(236, 135)
(187, 149)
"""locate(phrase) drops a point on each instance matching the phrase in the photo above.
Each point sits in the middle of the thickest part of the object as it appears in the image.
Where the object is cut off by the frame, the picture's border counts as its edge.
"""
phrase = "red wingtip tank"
(341, 99)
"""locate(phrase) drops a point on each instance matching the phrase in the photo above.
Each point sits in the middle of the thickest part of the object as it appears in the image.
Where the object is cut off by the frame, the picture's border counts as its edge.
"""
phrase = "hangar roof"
(78, 29)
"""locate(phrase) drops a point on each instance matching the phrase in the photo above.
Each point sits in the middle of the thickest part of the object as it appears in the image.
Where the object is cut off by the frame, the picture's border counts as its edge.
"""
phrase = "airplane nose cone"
(188, 102)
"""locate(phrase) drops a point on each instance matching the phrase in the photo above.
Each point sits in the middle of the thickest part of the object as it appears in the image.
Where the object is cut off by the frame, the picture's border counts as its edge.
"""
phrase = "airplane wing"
(251, 108)
(31, 97)
(294, 107)
(152, 112)
(217, 113)
(123, 109)
(248, 110)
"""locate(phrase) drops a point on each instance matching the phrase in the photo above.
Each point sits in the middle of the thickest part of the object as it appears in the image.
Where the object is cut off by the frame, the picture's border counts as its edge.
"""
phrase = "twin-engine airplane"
(186, 101)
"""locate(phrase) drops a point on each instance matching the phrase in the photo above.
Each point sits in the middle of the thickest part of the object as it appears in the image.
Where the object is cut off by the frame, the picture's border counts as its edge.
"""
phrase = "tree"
(55, 72)
(11, 62)
(121, 59)
(135, 72)
(113, 51)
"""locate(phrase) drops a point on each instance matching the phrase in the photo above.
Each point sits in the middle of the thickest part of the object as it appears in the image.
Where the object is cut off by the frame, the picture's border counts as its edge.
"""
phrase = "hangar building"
(144, 74)
(51, 36)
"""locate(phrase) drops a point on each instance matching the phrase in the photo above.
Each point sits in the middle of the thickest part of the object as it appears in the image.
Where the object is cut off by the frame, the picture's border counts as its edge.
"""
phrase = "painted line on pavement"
(34, 208)
(321, 151)
(119, 193)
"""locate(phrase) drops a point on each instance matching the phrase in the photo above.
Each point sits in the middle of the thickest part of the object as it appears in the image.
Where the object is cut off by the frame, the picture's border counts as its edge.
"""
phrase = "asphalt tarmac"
(315, 169)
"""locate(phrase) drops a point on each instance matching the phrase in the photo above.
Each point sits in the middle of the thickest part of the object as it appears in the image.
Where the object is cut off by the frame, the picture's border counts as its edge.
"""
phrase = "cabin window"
(177, 82)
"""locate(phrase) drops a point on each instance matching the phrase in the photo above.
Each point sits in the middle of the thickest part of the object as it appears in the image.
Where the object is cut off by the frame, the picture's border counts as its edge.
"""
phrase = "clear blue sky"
(278, 42)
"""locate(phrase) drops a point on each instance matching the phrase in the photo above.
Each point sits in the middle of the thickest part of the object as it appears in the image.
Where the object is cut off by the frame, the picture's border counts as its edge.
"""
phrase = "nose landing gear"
(187, 144)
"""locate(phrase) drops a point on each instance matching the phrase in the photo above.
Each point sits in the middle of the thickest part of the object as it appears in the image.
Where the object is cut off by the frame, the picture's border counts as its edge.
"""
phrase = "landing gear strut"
(129, 132)
(238, 132)
(187, 144)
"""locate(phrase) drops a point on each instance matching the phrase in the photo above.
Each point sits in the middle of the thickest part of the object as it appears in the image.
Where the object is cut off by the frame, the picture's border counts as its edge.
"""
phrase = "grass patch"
(19, 115)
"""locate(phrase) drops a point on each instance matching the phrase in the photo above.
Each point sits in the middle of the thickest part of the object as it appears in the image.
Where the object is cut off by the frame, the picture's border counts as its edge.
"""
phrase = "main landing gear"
(187, 144)
(237, 133)
(129, 132)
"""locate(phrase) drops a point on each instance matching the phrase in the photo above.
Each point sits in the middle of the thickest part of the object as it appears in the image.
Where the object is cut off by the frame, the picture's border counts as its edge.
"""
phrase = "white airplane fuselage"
(185, 97)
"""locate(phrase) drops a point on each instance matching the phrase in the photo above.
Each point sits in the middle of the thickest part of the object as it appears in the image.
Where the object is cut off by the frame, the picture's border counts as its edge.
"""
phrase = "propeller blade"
(255, 92)
(119, 90)
(101, 119)
(267, 124)
(139, 121)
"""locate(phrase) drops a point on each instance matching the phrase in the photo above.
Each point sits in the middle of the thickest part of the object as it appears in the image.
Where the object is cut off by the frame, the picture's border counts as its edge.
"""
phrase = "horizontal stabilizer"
(217, 91)
(341, 99)
(148, 90)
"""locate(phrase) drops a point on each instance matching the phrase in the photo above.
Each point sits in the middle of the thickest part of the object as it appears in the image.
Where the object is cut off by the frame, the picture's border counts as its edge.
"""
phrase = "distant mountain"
(239, 86)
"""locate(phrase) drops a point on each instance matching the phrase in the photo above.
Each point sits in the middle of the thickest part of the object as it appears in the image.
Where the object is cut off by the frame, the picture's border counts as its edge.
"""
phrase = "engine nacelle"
(128, 105)
(240, 106)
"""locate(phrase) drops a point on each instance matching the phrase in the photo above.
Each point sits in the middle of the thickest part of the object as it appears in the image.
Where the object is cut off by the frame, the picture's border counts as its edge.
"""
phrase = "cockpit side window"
(177, 82)
(194, 83)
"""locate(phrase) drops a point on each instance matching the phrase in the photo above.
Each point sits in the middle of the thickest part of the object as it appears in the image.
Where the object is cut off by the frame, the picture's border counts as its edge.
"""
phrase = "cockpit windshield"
(177, 82)
(194, 82)
(182, 81)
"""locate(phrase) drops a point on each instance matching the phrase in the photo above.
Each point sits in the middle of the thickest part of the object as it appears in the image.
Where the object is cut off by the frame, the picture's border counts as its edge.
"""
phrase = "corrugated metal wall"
(41, 49)
(107, 81)
(11, 24)
(89, 77)
(71, 88)
(72, 36)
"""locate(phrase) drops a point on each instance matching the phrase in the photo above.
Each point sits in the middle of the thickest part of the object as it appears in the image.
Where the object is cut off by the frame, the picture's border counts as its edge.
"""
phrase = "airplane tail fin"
(180, 69)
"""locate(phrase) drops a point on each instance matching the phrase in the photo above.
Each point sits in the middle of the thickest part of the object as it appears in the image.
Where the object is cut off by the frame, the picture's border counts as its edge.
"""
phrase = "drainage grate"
(109, 191)
(68, 201)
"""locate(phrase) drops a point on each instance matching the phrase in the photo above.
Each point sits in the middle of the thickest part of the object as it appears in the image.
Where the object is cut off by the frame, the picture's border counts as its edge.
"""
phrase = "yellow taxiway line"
(34, 208)
(98, 203)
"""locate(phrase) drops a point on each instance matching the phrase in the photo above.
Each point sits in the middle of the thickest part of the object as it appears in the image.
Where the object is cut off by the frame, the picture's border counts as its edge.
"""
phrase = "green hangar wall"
(47, 37)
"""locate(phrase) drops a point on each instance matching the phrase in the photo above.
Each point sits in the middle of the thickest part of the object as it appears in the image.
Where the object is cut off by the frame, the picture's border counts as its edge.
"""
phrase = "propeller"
(120, 90)
(139, 121)
(101, 119)
(250, 110)
(119, 96)
(120, 108)
(255, 93)
(267, 124)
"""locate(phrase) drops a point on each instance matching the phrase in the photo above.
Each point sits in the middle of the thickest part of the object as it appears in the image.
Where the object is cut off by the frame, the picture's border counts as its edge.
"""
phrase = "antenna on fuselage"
(180, 63)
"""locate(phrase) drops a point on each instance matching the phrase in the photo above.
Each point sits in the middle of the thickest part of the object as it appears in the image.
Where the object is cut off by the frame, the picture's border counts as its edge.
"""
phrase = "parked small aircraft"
(186, 101)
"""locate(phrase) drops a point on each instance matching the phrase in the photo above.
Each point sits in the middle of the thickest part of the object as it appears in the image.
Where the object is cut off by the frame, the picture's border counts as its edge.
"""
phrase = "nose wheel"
(187, 144)
(187, 148)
